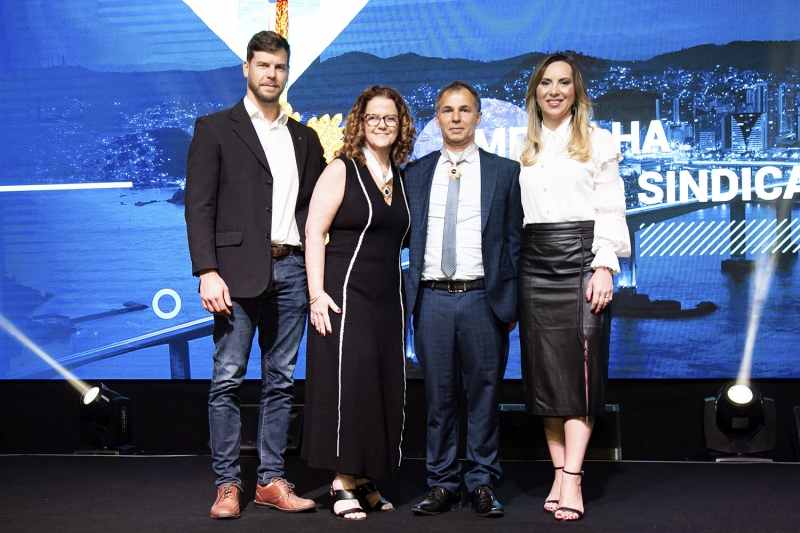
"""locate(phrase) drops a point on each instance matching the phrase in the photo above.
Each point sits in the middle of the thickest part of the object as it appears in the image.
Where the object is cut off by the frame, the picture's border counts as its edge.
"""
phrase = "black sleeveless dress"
(355, 377)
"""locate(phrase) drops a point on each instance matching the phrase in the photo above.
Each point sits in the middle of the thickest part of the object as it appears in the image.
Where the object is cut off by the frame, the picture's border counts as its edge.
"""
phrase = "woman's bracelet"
(610, 271)
(312, 300)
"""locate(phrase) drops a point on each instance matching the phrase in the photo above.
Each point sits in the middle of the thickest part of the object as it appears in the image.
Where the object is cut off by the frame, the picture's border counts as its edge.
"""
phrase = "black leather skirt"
(564, 346)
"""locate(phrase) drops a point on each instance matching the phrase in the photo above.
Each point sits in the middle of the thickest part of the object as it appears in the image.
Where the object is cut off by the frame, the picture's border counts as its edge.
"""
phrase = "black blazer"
(229, 197)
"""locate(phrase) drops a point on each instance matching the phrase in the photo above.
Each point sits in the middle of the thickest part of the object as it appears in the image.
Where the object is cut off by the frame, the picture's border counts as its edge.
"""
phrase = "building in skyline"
(742, 132)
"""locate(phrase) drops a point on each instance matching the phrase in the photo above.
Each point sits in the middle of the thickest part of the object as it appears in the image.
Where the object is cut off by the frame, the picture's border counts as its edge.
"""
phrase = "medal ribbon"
(453, 172)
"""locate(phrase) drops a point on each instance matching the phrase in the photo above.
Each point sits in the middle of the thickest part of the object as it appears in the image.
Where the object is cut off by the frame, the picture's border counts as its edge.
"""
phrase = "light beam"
(79, 385)
(760, 290)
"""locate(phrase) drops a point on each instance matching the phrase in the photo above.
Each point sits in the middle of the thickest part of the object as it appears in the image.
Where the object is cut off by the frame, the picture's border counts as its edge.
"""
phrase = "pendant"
(453, 172)
(387, 192)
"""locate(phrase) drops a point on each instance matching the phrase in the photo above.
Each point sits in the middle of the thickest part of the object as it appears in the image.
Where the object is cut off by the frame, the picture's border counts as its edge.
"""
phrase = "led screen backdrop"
(99, 99)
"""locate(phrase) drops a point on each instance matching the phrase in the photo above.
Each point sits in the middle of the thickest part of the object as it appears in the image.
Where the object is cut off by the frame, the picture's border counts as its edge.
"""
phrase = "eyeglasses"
(390, 120)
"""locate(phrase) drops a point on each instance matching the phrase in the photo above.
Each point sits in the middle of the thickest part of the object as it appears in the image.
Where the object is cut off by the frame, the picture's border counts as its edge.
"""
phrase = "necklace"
(386, 177)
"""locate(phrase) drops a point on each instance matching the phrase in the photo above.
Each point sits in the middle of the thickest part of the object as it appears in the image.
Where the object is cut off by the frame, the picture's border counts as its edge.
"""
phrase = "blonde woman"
(575, 231)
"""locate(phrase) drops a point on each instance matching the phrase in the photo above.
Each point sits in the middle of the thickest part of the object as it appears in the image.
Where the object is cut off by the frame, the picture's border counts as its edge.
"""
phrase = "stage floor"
(173, 494)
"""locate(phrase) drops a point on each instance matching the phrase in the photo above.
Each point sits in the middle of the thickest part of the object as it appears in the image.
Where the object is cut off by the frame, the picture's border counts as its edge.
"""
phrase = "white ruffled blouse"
(558, 188)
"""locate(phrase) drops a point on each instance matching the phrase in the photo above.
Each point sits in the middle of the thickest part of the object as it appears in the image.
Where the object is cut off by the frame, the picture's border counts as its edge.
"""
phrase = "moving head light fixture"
(740, 422)
(105, 420)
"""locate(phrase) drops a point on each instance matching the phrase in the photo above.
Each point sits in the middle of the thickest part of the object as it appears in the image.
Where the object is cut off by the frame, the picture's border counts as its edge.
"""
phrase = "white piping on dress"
(402, 319)
(344, 304)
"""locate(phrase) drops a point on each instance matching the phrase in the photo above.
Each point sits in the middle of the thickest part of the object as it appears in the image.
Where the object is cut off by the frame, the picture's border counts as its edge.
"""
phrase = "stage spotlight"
(105, 420)
(740, 422)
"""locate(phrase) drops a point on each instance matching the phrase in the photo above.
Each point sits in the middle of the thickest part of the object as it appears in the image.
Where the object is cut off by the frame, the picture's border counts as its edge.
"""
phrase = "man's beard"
(262, 98)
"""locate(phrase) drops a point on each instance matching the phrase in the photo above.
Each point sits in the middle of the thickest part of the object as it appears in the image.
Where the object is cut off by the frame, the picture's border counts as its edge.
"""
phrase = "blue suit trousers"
(461, 345)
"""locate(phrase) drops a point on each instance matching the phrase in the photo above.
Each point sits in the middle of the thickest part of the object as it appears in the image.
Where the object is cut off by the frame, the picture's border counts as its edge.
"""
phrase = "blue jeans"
(279, 315)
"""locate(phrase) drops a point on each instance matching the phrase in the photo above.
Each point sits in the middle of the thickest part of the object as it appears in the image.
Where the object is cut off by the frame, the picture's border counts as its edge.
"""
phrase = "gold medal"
(453, 172)
(387, 189)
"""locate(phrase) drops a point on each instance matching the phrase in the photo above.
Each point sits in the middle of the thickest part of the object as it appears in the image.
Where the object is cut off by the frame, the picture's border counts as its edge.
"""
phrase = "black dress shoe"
(485, 504)
(439, 500)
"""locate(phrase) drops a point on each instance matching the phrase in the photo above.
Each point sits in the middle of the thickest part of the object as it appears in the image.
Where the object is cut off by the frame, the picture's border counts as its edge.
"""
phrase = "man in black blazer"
(466, 228)
(249, 179)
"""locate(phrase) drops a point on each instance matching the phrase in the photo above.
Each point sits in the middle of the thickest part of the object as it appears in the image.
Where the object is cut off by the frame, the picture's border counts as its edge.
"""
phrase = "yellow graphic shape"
(330, 133)
(287, 107)
(328, 130)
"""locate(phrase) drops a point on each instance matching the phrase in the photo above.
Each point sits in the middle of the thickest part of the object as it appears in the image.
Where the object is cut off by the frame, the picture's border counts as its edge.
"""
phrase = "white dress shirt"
(558, 188)
(469, 260)
(277, 143)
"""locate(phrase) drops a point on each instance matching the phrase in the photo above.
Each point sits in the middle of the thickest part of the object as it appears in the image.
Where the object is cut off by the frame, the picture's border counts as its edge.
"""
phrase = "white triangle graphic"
(313, 24)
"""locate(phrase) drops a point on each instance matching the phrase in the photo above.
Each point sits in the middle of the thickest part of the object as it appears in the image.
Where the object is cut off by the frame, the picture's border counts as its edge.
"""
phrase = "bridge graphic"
(659, 236)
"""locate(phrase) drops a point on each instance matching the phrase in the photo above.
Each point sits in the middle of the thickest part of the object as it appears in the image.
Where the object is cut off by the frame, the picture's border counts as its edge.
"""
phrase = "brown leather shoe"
(227, 504)
(279, 495)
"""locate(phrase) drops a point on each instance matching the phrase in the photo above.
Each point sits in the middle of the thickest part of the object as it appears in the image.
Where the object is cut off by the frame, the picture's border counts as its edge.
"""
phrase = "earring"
(573, 110)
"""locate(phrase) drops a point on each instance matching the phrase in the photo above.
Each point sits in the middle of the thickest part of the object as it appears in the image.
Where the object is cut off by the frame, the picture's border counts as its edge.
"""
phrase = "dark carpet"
(173, 494)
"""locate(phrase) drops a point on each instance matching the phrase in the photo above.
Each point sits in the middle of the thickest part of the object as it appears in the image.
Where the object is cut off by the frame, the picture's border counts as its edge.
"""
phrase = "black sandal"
(341, 495)
(552, 501)
(368, 488)
(570, 509)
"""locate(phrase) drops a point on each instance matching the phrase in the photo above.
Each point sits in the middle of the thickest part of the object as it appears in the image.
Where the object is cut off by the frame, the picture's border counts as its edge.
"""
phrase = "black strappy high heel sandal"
(570, 509)
(546, 510)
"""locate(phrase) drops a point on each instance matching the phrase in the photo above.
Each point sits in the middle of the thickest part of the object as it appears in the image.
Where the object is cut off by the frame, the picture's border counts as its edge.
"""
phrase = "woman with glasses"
(355, 353)
(574, 214)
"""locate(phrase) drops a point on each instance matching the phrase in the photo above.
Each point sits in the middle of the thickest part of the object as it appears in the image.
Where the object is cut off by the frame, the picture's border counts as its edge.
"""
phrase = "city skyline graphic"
(703, 99)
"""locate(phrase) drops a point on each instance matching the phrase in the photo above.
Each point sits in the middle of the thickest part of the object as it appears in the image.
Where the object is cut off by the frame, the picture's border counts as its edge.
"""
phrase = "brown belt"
(280, 250)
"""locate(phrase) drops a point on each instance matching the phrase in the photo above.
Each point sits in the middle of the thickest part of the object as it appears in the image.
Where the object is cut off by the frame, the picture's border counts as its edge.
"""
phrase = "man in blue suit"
(466, 227)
